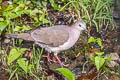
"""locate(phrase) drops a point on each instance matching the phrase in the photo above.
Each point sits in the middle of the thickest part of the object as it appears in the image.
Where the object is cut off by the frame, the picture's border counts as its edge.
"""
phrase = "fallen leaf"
(89, 76)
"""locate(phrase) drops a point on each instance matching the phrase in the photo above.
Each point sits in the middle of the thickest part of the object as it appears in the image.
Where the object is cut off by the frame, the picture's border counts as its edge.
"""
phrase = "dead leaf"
(89, 76)
(112, 64)
(114, 56)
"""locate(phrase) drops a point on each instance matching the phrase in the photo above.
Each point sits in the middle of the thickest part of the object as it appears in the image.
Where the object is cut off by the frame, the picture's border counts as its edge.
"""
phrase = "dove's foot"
(56, 57)
(48, 58)
(61, 64)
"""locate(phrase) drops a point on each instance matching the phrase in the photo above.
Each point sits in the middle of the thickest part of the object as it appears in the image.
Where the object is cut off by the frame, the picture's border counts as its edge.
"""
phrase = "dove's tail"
(25, 36)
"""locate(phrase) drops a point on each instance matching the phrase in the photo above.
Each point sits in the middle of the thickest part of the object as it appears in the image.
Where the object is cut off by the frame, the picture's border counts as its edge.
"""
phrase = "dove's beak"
(86, 30)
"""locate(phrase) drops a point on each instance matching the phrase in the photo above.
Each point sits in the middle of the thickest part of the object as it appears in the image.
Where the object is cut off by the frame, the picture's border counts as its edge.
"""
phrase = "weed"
(67, 73)
(97, 58)
(17, 15)
(98, 40)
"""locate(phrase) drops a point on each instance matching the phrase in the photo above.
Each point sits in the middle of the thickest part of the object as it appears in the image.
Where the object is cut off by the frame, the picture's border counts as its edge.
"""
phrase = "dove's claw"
(48, 58)
(61, 64)
(56, 57)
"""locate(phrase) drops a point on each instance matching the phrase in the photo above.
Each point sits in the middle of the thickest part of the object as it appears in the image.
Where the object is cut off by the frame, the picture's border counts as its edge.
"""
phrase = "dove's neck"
(75, 32)
(74, 35)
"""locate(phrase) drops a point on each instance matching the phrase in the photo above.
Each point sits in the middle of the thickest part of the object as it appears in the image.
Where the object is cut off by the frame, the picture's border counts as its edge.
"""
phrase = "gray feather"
(25, 36)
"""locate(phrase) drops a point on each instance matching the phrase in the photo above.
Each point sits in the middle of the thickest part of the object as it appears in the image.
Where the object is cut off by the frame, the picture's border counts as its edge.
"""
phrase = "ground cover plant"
(89, 59)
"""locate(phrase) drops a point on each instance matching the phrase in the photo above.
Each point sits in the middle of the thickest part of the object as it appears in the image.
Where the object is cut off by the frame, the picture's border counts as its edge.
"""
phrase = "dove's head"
(79, 25)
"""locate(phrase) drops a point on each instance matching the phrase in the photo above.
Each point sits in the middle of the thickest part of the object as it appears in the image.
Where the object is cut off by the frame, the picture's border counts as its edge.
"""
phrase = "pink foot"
(56, 57)
(61, 64)
(48, 58)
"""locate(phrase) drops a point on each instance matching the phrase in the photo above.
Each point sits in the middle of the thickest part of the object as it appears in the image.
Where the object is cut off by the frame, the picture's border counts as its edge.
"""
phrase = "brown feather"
(52, 37)
(25, 36)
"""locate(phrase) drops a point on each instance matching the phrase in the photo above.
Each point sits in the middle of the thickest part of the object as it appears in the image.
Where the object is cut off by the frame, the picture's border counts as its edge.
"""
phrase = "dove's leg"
(61, 64)
(48, 54)
(48, 57)
(56, 57)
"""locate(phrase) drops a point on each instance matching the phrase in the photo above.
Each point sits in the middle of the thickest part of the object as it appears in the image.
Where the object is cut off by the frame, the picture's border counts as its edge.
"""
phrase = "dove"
(54, 39)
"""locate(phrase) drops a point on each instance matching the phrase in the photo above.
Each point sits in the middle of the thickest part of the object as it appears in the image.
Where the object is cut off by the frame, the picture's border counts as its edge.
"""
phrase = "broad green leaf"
(44, 3)
(118, 70)
(105, 69)
(67, 73)
(99, 53)
(15, 53)
(1, 19)
(3, 25)
(34, 12)
(108, 58)
(36, 19)
(21, 6)
(28, 2)
(25, 28)
(92, 56)
(19, 13)
(17, 28)
(27, 11)
(99, 61)
(23, 64)
(99, 41)
(91, 39)
(8, 7)
(31, 66)
(0, 1)
(22, 28)
(10, 15)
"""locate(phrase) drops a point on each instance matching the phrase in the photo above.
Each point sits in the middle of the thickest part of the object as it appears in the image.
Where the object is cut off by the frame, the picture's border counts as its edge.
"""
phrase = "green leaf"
(25, 28)
(99, 61)
(67, 73)
(23, 64)
(92, 56)
(1, 19)
(105, 69)
(3, 25)
(0, 1)
(27, 11)
(22, 29)
(91, 39)
(31, 66)
(17, 28)
(99, 41)
(15, 53)
(10, 15)
(118, 70)
(36, 19)
(34, 12)
(99, 53)
(44, 3)
(108, 58)
(54, 5)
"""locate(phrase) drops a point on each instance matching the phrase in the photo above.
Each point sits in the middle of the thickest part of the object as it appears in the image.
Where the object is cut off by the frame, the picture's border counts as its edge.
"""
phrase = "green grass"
(96, 13)
(21, 14)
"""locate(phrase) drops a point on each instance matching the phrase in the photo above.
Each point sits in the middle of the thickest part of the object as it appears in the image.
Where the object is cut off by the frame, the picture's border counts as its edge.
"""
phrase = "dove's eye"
(80, 25)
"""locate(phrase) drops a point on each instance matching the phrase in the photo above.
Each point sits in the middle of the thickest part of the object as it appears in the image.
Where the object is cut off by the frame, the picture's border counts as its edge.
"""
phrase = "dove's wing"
(52, 36)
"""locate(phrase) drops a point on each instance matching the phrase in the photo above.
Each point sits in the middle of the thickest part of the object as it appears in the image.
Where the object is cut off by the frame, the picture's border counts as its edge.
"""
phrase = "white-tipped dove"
(54, 39)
